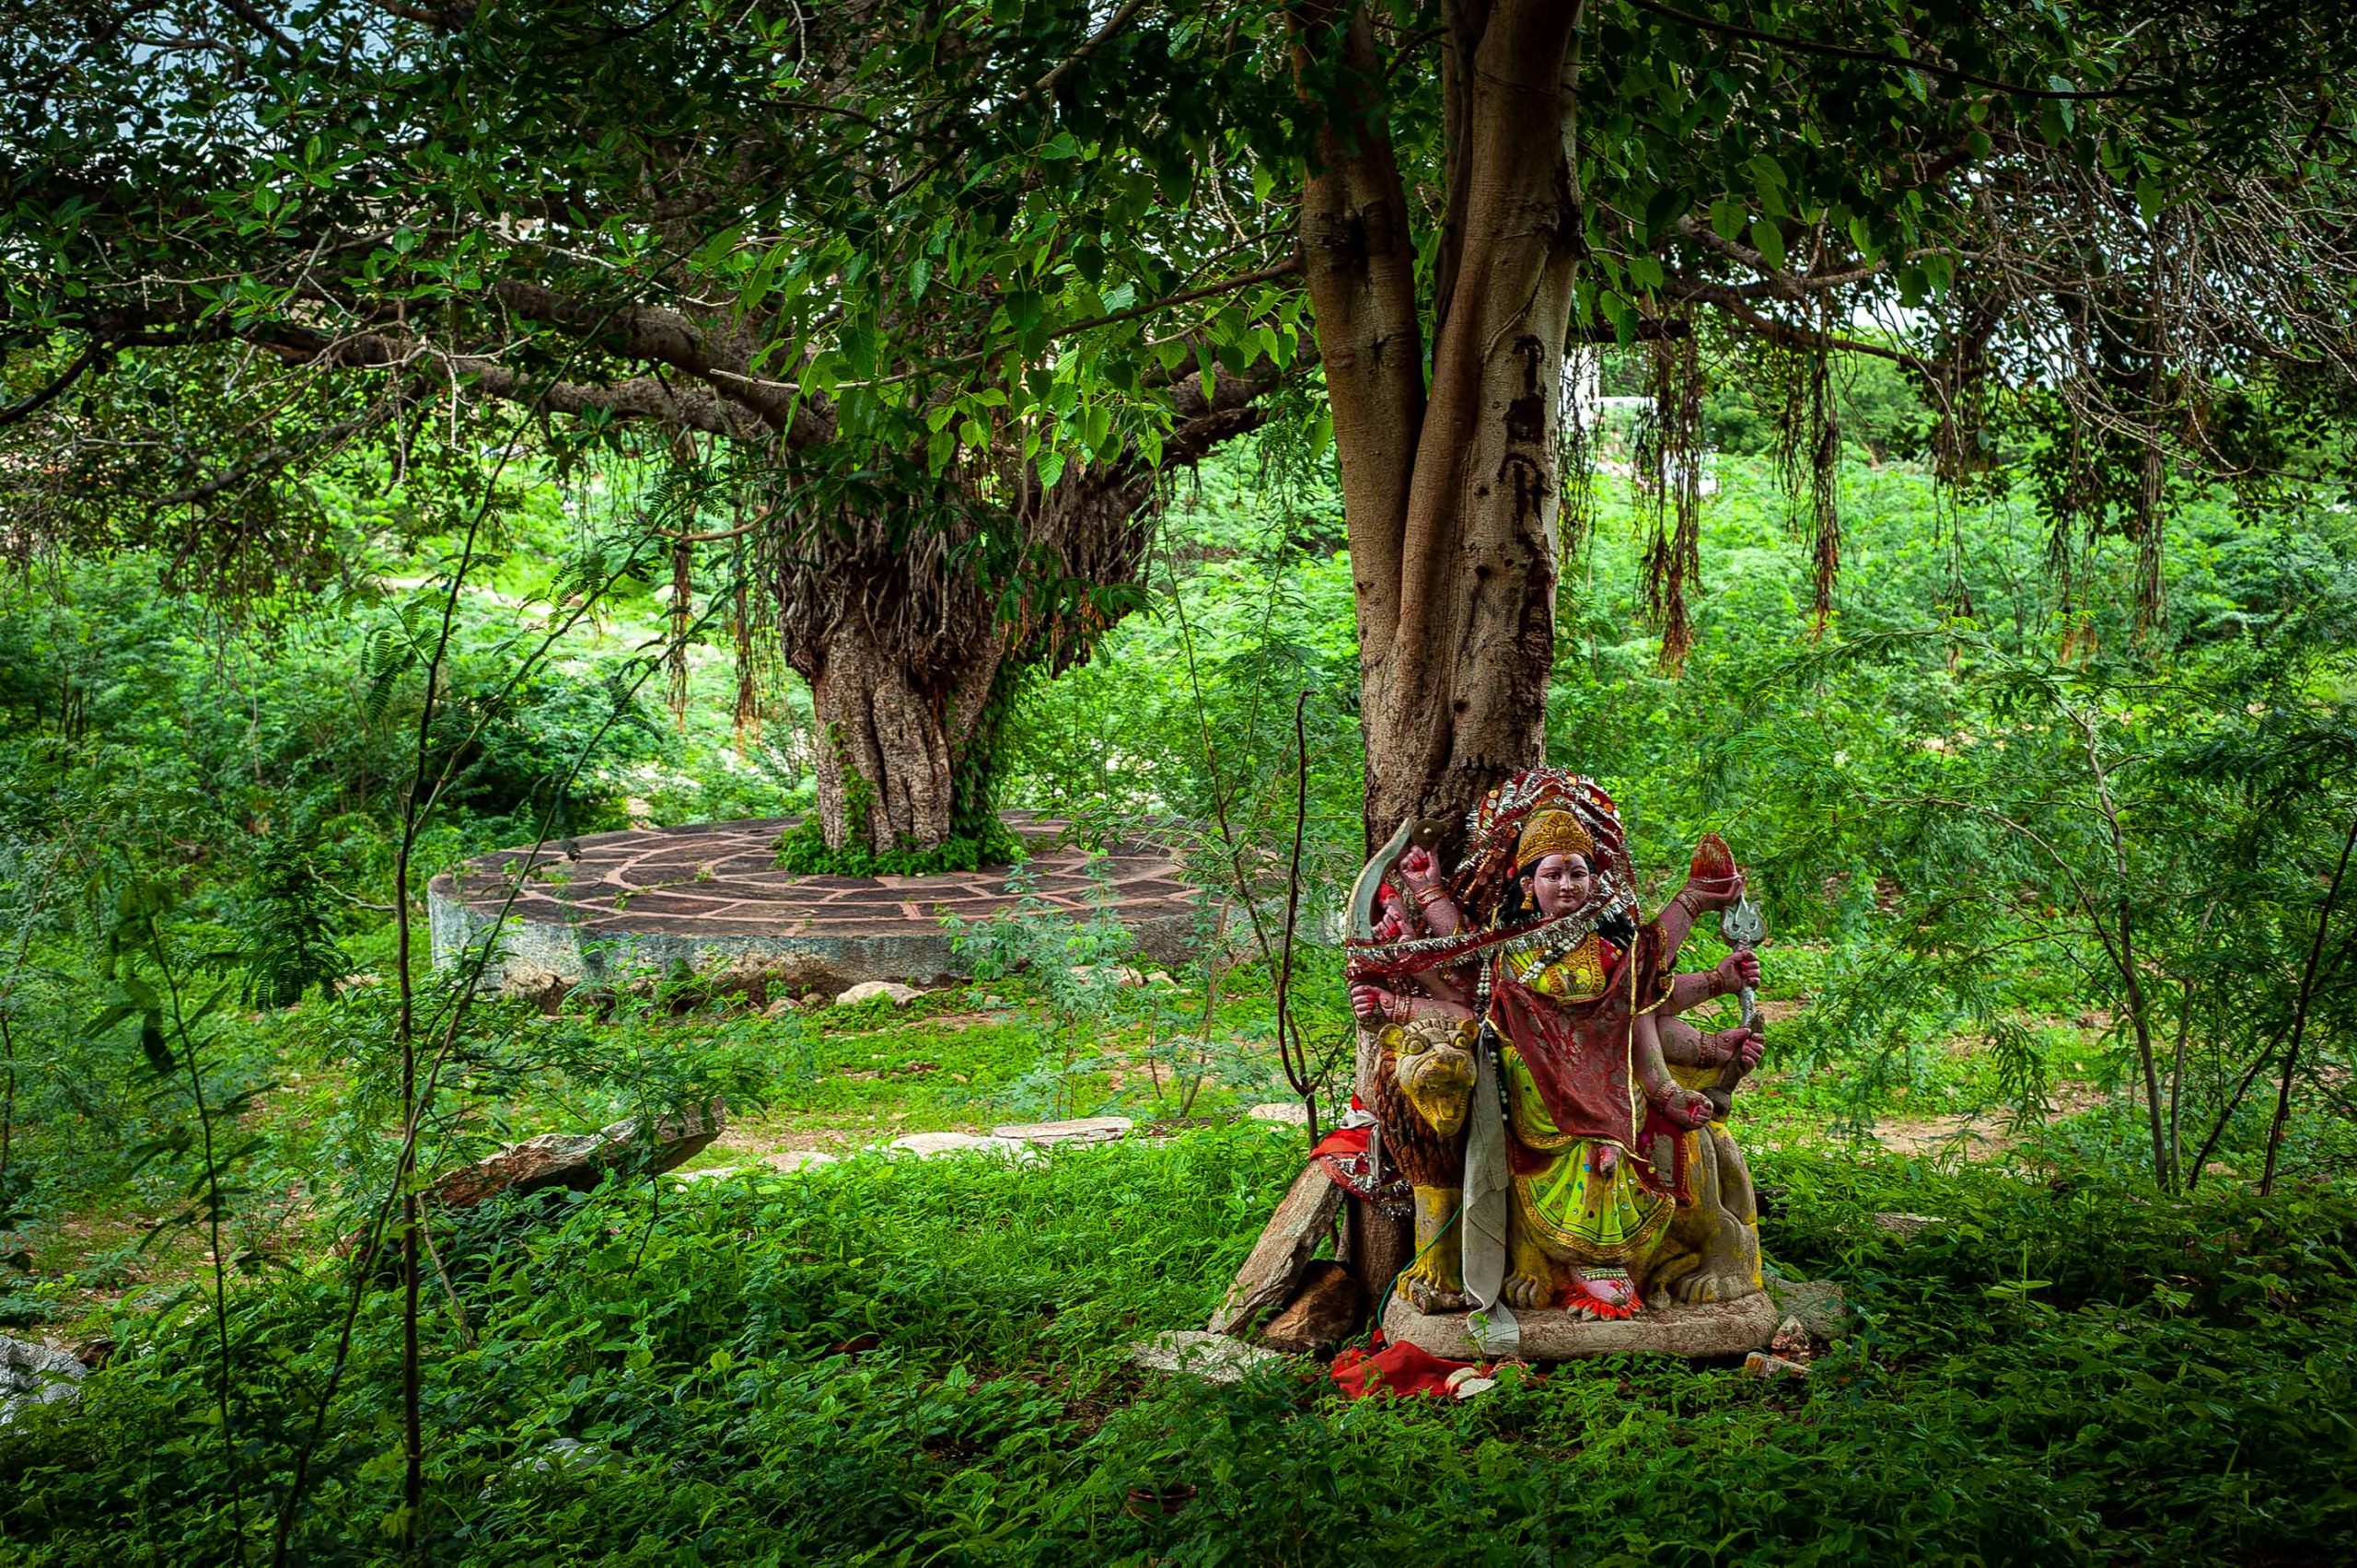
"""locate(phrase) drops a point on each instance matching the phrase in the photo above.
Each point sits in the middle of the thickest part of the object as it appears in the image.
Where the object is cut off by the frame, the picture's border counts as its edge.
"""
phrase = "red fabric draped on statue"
(1580, 1058)
(1579, 1054)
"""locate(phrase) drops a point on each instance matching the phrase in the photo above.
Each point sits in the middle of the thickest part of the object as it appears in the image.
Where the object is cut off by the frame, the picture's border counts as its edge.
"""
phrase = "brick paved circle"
(711, 895)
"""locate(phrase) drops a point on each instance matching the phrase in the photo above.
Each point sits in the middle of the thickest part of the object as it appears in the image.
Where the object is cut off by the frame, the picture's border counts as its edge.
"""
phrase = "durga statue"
(1530, 1078)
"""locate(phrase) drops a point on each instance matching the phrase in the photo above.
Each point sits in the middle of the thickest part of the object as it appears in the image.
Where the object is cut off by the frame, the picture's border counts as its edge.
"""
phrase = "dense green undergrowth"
(890, 1362)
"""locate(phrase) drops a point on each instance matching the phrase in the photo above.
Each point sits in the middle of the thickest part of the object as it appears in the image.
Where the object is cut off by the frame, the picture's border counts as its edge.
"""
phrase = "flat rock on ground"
(925, 1145)
(782, 1160)
(868, 989)
(1291, 1112)
(1901, 1224)
(34, 1374)
(1213, 1356)
(1082, 1129)
(580, 1159)
(1712, 1328)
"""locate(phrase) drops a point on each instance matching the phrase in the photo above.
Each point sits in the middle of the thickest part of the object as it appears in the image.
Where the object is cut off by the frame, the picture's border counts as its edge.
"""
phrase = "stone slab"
(581, 1160)
(1080, 1130)
(1279, 1260)
(34, 1374)
(1213, 1356)
(1901, 1224)
(1712, 1329)
(928, 1145)
(868, 990)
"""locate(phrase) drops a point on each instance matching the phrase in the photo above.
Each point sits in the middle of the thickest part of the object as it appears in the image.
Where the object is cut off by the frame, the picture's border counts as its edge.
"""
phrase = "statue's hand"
(1737, 1045)
(1737, 969)
(1686, 1107)
(1418, 868)
(1702, 893)
(1374, 1005)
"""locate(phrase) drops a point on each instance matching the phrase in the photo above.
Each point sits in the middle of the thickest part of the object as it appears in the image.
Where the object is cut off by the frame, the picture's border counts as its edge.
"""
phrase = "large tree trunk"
(1450, 492)
(908, 649)
(889, 741)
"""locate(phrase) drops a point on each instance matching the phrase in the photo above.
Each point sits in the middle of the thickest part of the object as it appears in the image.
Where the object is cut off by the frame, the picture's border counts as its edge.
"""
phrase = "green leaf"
(1768, 240)
(1051, 467)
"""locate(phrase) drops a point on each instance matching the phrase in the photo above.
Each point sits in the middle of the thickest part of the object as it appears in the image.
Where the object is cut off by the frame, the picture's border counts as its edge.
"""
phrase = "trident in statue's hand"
(1743, 929)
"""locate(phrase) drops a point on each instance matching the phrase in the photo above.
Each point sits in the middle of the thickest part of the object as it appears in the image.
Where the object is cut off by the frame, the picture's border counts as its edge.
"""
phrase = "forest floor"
(831, 1082)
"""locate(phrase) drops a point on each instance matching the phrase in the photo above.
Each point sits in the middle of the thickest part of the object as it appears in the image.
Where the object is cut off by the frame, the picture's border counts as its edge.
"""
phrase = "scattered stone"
(868, 989)
(1707, 1329)
(1759, 1364)
(33, 1374)
(1125, 975)
(1213, 1356)
(780, 1008)
(1816, 1305)
(1791, 1340)
(1082, 1129)
(1905, 1223)
(927, 1145)
(1290, 1112)
(579, 1159)
(1161, 978)
(1280, 1259)
(567, 1456)
(816, 999)
(1324, 1312)
(784, 1161)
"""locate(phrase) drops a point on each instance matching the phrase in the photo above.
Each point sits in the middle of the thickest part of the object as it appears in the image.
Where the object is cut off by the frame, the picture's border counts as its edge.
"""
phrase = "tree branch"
(1868, 56)
(14, 413)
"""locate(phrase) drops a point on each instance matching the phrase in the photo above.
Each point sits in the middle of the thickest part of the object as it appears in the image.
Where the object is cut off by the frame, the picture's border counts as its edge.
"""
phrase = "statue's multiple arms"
(1420, 868)
(1687, 905)
(1732, 974)
(1683, 1045)
(1375, 1004)
(1686, 1107)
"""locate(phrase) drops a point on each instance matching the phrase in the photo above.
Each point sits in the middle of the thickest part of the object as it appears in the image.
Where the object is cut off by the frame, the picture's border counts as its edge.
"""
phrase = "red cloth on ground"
(1402, 1369)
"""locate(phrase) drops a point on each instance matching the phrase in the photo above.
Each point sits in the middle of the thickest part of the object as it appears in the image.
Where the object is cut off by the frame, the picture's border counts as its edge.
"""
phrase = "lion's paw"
(1529, 1292)
(1706, 1285)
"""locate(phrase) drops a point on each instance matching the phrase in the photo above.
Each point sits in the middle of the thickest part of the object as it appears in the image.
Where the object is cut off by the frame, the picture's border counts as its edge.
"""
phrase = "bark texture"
(1450, 486)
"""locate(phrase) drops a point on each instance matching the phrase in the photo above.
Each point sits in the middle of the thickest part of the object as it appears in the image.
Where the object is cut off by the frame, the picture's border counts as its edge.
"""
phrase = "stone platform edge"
(1708, 1328)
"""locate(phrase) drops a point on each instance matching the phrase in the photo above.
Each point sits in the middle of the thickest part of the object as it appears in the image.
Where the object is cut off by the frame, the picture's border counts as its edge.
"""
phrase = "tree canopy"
(976, 248)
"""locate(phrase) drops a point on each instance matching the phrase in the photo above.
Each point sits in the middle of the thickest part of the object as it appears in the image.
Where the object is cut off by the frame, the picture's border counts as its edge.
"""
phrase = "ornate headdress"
(1534, 814)
(1550, 832)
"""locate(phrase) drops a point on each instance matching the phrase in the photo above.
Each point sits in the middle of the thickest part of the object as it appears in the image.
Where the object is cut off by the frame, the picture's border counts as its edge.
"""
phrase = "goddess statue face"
(1559, 884)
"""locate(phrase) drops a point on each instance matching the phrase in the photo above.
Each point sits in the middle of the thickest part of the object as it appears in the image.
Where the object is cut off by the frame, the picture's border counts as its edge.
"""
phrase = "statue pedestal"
(1712, 1329)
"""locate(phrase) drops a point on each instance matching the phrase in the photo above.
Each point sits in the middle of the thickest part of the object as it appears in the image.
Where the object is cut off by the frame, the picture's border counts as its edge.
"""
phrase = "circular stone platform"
(710, 896)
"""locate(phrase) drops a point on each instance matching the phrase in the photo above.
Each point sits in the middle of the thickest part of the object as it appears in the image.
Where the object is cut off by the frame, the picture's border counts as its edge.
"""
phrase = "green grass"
(886, 1361)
